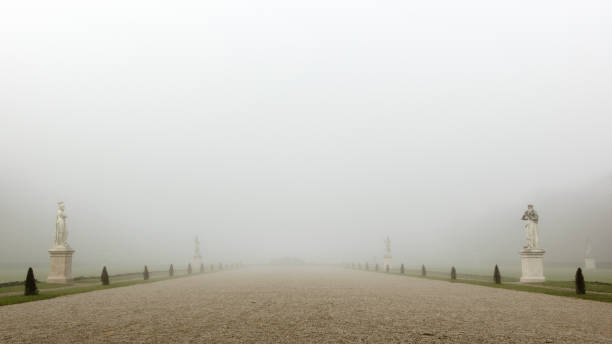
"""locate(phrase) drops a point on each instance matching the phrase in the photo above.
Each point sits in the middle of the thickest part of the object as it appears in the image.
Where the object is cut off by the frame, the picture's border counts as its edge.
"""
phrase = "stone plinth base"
(61, 265)
(589, 263)
(532, 265)
(387, 262)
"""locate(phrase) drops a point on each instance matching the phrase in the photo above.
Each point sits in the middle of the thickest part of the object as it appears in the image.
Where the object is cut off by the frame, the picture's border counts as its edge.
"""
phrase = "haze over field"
(310, 131)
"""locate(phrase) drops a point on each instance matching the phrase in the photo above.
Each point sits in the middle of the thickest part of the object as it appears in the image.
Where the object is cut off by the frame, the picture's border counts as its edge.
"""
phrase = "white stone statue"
(196, 261)
(531, 227)
(61, 232)
(589, 250)
(589, 260)
(197, 247)
(60, 256)
(388, 245)
(388, 257)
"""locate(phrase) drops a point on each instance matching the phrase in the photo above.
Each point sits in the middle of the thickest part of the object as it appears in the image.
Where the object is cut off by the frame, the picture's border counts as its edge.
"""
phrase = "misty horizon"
(311, 132)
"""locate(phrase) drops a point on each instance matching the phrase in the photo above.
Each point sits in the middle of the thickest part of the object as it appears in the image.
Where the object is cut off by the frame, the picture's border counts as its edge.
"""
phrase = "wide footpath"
(306, 305)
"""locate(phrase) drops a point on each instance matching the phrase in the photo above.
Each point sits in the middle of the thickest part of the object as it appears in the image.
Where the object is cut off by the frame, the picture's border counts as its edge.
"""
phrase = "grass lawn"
(590, 286)
(9, 300)
(528, 288)
(40, 285)
(593, 286)
(76, 289)
(124, 277)
(443, 276)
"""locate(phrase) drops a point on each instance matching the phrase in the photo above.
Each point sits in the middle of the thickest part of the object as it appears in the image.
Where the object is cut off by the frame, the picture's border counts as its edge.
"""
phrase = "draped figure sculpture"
(197, 247)
(196, 261)
(60, 256)
(388, 245)
(531, 227)
(61, 232)
(589, 250)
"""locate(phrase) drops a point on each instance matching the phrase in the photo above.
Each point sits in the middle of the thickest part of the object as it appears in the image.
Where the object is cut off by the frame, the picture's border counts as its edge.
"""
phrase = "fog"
(308, 129)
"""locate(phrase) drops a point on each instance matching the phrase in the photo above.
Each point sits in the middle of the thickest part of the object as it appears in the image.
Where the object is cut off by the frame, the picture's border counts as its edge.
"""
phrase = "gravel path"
(306, 305)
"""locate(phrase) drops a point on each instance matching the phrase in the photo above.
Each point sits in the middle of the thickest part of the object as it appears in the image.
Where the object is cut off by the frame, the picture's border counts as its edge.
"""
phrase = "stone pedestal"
(387, 262)
(532, 265)
(589, 263)
(61, 265)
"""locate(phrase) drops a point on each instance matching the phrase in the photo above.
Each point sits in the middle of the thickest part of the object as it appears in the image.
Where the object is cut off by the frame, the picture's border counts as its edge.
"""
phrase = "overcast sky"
(310, 129)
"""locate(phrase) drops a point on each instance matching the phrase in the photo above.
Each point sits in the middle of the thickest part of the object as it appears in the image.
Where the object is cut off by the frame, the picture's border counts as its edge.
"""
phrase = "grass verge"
(526, 287)
(49, 294)
(590, 286)
(40, 285)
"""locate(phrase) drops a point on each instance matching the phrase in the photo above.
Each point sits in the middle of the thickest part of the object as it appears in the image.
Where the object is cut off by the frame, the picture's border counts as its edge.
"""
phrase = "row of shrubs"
(579, 278)
(32, 289)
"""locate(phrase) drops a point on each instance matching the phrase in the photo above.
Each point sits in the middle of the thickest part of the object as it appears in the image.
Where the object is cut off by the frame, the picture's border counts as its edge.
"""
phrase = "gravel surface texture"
(306, 305)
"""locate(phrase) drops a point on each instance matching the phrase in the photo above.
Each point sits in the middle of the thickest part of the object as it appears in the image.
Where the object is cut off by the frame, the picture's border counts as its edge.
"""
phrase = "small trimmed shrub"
(189, 269)
(201, 268)
(145, 274)
(453, 273)
(171, 271)
(496, 275)
(402, 268)
(580, 286)
(423, 270)
(30, 283)
(104, 277)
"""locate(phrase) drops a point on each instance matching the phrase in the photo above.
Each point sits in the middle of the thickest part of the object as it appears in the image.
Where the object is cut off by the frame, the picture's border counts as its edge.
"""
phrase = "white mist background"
(310, 129)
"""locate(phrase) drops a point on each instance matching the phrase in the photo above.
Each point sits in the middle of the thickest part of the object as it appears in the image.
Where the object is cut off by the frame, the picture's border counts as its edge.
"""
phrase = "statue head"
(60, 205)
(530, 206)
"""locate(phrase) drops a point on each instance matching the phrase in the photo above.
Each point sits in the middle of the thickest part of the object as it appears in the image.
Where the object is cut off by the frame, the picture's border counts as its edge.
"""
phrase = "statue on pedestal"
(60, 256)
(589, 249)
(589, 260)
(388, 257)
(388, 245)
(531, 227)
(196, 261)
(61, 232)
(532, 264)
(197, 247)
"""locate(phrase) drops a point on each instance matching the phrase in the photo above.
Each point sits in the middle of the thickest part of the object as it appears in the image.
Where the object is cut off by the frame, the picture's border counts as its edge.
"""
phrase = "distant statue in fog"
(531, 227)
(197, 247)
(388, 245)
(61, 232)
(589, 250)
